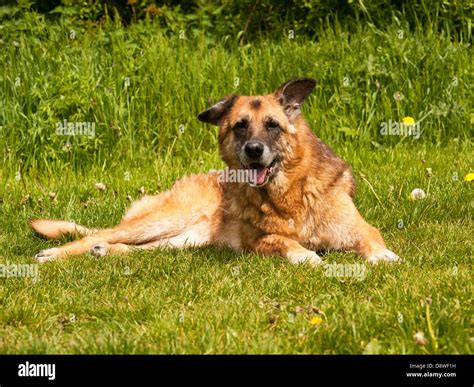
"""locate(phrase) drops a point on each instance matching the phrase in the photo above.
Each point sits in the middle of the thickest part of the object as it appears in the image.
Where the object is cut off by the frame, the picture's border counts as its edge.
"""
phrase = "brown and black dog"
(298, 198)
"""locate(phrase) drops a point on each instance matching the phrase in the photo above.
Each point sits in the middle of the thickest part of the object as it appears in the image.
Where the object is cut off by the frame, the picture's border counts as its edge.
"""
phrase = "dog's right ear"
(216, 113)
(292, 94)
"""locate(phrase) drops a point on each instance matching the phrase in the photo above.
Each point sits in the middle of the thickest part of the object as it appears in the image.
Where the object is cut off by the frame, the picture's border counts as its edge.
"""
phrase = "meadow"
(142, 89)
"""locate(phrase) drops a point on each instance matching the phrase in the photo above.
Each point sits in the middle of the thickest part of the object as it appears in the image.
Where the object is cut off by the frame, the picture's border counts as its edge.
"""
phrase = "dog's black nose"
(254, 149)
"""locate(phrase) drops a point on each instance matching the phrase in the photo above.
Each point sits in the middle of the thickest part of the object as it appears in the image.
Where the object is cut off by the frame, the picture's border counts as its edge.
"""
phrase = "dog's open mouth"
(259, 174)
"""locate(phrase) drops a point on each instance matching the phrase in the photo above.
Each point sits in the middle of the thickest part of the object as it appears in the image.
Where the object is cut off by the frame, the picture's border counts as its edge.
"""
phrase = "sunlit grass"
(143, 90)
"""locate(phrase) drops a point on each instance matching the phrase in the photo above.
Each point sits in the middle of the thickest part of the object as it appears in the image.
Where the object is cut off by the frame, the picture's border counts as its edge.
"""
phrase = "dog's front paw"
(309, 257)
(100, 250)
(48, 255)
(383, 256)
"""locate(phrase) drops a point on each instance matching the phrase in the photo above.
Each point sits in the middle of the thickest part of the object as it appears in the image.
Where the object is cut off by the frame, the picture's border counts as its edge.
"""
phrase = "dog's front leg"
(290, 249)
(371, 245)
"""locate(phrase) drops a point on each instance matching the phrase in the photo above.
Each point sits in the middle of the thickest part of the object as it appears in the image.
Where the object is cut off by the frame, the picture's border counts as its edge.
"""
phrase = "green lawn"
(211, 300)
(215, 301)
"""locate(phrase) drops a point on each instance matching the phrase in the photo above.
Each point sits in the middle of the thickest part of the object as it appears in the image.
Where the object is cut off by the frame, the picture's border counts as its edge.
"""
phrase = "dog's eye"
(272, 124)
(240, 126)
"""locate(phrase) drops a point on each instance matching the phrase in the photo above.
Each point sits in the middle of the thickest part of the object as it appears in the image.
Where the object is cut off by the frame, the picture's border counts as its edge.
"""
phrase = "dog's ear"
(292, 94)
(216, 113)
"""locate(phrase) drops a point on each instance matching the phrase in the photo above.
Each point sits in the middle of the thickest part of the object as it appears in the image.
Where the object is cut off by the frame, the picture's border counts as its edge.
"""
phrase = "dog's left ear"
(292, 94)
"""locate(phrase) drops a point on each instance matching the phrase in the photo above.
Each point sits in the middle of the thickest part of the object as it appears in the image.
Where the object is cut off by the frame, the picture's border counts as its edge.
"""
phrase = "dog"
(297, 201)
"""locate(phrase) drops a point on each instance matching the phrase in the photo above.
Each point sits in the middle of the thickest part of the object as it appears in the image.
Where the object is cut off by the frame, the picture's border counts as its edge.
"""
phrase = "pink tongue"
(261, 175)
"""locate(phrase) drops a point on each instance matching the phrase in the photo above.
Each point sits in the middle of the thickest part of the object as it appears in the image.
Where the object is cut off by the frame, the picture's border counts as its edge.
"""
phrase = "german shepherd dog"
(299, 201)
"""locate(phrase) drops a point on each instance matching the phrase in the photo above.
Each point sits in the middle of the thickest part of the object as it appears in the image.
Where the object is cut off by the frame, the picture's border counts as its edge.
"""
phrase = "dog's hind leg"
(192, 233)
(78, 247)
(187, 215)
(104, 248)
(179, 231)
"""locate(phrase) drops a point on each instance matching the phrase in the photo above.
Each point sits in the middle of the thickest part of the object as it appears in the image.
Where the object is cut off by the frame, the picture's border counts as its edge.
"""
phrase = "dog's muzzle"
(256, 157)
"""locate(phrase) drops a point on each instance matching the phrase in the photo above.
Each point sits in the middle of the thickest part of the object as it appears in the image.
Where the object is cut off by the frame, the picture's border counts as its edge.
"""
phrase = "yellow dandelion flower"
(316, 320)
(469, 177)
(408, 120)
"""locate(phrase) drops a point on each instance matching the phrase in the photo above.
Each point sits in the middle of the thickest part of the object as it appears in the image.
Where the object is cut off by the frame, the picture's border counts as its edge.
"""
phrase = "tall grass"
(51, 72)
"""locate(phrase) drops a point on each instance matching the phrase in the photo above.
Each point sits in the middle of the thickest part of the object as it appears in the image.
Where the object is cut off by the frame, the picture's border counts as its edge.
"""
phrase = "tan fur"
(56, 229)
(305, 207)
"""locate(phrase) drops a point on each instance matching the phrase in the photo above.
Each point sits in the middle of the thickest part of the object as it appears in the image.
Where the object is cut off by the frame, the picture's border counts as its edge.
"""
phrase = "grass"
(212, 300)
(49, 77)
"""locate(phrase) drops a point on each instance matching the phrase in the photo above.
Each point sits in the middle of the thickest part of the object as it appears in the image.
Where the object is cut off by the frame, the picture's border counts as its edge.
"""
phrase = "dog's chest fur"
(295, 214)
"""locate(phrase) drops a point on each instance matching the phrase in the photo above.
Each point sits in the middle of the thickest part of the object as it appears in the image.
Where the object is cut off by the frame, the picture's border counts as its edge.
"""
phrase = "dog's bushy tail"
(56, 229)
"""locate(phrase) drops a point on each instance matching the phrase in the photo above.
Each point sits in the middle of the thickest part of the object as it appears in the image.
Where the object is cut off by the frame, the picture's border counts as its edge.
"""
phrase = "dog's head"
(254, 131)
